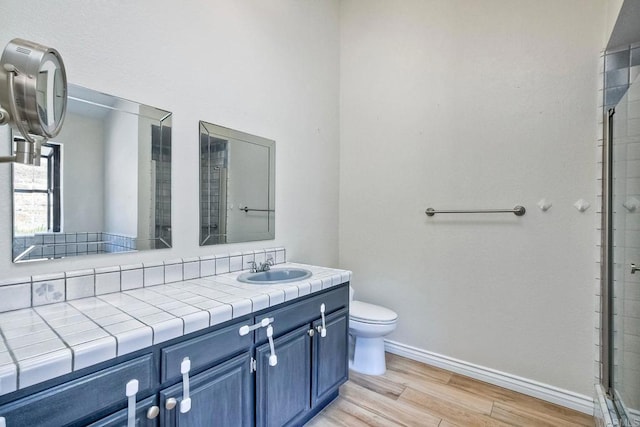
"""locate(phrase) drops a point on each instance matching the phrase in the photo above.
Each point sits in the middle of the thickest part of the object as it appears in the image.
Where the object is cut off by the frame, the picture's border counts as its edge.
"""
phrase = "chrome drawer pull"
(153, 412)
(170, 403)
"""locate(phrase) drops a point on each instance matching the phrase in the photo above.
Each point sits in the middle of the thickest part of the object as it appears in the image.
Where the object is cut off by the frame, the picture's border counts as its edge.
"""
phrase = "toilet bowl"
(368, 325)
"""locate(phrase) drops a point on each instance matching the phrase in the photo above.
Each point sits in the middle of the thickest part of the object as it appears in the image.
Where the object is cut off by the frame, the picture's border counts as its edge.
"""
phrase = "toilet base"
(368, 356)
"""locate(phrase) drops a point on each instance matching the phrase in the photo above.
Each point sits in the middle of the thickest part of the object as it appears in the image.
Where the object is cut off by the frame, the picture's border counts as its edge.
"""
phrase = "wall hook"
(631, 204)
(582, 205)
(544, 205)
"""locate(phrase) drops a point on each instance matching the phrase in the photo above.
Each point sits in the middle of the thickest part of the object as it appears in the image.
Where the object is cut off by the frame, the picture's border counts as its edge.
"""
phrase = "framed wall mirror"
(103, 184)
(237, 186)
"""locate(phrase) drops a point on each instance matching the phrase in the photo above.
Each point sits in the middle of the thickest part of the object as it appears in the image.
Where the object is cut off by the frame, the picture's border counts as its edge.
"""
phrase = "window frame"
(53, 190)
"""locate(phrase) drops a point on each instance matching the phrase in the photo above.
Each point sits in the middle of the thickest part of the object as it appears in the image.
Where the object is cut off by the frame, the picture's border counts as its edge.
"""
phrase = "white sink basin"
(275, 275)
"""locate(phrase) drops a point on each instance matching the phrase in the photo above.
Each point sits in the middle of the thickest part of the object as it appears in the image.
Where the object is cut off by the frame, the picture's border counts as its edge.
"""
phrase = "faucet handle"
(265, 266)
(270, 260)
(254, 266)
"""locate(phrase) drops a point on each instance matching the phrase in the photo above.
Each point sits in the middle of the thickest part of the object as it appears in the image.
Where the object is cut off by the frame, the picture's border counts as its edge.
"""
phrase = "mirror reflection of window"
(36, 194)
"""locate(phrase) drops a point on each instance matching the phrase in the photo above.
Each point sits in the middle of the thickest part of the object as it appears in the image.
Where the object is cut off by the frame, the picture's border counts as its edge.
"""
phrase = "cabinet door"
(330, 355)
(284, 391)
(221, 396)
(119, 419)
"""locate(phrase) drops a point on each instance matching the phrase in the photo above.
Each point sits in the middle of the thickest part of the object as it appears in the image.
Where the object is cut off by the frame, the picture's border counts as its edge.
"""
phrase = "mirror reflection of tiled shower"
(161, 156)
(214, 161)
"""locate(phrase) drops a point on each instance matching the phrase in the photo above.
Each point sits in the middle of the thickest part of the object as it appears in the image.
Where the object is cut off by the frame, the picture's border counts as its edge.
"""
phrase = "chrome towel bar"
(518, 211)
(247, 209)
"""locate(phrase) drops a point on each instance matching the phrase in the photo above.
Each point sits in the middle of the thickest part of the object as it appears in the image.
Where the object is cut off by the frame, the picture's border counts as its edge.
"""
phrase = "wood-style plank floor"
(411, 393)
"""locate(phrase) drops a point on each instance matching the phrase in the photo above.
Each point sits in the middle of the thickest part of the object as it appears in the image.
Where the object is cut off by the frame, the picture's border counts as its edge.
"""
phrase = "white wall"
(121, 153)
(82, 142)
(468, 104)
(269, 68)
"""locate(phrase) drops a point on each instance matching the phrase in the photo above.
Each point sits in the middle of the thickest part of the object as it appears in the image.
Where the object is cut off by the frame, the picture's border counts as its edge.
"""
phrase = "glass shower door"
(624, 344)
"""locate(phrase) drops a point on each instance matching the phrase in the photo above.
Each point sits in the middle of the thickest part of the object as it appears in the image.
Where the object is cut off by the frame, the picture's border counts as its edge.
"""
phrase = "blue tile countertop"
(44, 342)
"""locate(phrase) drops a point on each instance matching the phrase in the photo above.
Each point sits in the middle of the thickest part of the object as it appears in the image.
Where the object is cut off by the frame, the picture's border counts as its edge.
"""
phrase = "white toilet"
(368, 324)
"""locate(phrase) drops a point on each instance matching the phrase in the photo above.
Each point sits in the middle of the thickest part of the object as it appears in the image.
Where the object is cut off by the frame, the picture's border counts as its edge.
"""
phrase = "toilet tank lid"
(371, 312)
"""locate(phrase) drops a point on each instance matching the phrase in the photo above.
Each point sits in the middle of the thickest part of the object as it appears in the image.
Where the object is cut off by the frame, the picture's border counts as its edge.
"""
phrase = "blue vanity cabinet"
(231, 382)
(72, 402)
(330, 358)
(221, 396)
(146, 415)
(283, 391)
(310, 368)
(205, 350)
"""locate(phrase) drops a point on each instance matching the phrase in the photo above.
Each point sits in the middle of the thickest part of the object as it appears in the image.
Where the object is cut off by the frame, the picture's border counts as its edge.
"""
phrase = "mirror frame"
(206, 132)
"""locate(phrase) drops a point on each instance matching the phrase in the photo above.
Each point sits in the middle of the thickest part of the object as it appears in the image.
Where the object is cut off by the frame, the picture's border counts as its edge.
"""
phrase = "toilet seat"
(370, 313)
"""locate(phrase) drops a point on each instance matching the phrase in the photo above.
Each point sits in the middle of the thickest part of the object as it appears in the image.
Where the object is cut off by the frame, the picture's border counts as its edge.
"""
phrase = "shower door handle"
(634, 268)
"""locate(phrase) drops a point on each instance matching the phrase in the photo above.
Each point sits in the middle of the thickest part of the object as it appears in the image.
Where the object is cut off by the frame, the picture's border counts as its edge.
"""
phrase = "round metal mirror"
(33, 89)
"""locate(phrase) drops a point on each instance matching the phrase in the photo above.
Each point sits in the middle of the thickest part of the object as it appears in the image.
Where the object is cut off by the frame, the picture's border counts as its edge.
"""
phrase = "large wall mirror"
(103, 184)
(237, 186)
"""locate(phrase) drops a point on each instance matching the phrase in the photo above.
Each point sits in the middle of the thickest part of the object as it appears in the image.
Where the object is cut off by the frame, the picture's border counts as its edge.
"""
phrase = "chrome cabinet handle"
(153, 412)
(170, 403)
(634, 268)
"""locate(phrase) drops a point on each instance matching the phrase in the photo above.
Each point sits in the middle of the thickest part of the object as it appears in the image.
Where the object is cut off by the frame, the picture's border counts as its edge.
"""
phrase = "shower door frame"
(606, 303)
(607, 277)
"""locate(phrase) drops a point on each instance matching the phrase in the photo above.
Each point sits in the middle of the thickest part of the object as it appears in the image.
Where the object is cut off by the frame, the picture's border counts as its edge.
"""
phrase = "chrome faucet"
(254, 268)
(264, 266)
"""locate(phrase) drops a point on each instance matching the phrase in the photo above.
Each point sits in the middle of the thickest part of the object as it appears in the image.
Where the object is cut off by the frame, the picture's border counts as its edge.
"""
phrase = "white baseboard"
(569, 399)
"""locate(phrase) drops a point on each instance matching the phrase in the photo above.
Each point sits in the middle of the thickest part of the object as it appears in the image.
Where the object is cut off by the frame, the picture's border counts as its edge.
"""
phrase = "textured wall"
(466, 104)
(266, 68)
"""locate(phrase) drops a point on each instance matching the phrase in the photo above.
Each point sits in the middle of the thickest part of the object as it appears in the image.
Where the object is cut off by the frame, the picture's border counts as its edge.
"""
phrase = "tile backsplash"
(39, 290)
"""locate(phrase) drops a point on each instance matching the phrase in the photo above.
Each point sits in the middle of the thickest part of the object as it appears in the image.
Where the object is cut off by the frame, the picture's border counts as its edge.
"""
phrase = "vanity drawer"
(205, 350)
(298, 313)
(72, 401)
(120, 418)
